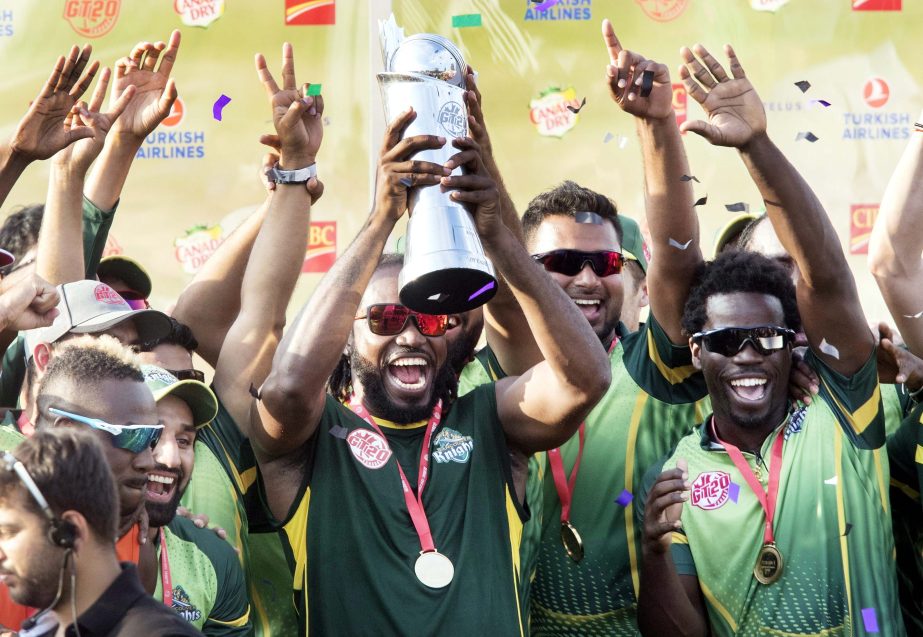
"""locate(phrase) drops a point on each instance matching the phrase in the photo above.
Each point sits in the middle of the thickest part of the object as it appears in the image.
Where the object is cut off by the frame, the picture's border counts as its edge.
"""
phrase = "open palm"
(155, 91)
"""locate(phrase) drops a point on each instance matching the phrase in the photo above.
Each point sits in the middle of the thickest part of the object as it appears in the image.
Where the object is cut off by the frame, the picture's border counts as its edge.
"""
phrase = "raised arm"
(897, 243)
(292, 398)
(41, 133)
(59, 256)
(508, 333)
(827, 297)
(278, 252)
(542, 408)
(668, 199)
(155, 92)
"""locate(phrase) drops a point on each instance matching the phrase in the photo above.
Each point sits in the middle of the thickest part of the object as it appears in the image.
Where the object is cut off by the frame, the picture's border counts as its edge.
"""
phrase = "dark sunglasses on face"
(388, 319)
(571, 262)
(133, 438)
(727, 341)
(188, 374)
(135, 300)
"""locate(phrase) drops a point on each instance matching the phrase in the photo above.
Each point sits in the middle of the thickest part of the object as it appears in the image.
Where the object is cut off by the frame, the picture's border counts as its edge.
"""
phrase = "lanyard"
(767, 500)
(165, 580)
(565, 485)
(414, 503)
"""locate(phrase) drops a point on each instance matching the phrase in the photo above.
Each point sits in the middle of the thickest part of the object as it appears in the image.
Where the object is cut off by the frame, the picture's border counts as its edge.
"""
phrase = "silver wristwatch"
(300, 176)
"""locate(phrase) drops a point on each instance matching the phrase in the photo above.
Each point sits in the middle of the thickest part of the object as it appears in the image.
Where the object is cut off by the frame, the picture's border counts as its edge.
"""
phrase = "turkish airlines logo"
(369, 448)
(710, 490)
(876, 92)
(876, 5)
(176, 114)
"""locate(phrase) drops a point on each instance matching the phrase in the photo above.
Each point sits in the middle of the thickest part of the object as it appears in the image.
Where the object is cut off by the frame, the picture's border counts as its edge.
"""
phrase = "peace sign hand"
(625, 74)
(735, 111)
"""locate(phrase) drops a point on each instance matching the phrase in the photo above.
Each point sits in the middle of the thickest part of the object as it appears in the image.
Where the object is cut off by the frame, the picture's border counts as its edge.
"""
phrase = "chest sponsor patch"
(451, 446)
(184, 606)
(710, 490)
(369, 448)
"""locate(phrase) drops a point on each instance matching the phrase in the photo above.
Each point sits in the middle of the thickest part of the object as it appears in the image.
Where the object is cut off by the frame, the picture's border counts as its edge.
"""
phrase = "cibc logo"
(876, 92)
(451, 118)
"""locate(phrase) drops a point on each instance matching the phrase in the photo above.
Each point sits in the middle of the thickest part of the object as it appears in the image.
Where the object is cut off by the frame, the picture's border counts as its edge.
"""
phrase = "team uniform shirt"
(354, 543)
(631, 428)
(207, 583)
(832, 521)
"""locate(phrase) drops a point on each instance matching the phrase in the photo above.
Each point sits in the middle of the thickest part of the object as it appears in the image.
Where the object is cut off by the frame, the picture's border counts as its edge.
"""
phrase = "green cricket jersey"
(832, 520)
(627, 432)
(355, 547)
(208, 584)
(211, 492)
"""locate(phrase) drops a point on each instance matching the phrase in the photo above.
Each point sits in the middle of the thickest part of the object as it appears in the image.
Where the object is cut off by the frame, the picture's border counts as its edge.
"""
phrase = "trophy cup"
(445, 269)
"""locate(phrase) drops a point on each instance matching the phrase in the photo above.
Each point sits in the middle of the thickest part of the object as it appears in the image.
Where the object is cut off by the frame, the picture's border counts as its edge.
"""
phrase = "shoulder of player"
(218, 551)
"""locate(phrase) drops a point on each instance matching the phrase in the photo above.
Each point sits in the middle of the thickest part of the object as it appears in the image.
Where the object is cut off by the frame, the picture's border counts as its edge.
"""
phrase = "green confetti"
(314, 89)
(466, 20)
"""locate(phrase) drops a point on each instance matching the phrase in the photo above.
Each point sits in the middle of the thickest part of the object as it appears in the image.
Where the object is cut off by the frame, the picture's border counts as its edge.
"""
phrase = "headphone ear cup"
(62, 533)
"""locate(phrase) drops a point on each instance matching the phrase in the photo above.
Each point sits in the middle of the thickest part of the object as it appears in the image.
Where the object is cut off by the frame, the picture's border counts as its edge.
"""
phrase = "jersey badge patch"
(710, 490)
(183, 606)
(795, 422)
(369, 448)
(451, 446)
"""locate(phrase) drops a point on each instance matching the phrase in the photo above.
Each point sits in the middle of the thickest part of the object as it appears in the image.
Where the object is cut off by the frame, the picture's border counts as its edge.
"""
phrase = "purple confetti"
(220, 103)
(547, 4)
(489, 286)
(824, 103)
(734, 492)
(624, 498)
(870, 620)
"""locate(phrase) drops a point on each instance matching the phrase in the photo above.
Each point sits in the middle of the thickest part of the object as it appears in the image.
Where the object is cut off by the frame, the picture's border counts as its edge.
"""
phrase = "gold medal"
(768, 564)
(571, 541)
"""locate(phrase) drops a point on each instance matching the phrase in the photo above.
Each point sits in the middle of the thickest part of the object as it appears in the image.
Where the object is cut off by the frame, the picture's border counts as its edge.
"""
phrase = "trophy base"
(447, 291)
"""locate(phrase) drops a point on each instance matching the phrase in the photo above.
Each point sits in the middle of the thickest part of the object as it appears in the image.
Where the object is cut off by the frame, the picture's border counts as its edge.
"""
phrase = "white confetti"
(832, 481)
(678, 245)
(829, 349)
(917, 315)
(623, 141)
(608, 138)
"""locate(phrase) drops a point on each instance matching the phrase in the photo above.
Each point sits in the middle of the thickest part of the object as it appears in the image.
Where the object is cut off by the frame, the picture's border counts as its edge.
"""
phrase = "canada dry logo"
(369, 448)
(451, 117)
(198, 13)
(549, 113)
(451, 446)
(710, 490)
(92, 18)
(663, 10)
(184, 607)
(197, 246)
(105, 294)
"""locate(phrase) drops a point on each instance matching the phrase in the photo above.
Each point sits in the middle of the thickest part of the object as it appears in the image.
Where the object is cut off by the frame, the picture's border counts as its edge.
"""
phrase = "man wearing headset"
(58, 523)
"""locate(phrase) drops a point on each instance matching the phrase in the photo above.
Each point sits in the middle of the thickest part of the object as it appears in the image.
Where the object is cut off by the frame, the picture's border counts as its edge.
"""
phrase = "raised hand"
(27, 302)
(41, 132)
(735, 112)
(625, 74)
(476, 126)
(155, 90)
(315, 186)
(295, 114)
(78, 156)
(664, 508)
(475, 188)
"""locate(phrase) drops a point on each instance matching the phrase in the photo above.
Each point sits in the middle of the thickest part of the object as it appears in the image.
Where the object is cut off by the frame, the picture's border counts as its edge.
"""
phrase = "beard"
(161, 514)
(39, 586)
(376, 398)
(461, 349)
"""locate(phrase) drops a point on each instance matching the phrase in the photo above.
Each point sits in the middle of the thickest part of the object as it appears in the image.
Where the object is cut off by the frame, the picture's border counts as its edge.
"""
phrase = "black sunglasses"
(727, 341)
(571, 262)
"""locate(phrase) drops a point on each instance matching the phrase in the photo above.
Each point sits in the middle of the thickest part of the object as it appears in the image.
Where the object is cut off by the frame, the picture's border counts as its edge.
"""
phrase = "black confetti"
(338, 431)
(811, 137)
(689, 178)
(848, 529)
(589, 217)
(740, 206)
(406, 181)
(255, 392)
(702, 201)
(578, 109)
(647, 83)
(804, 85)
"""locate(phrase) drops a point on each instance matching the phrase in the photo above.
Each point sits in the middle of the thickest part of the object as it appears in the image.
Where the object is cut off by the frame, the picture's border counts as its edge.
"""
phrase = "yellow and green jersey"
(832, 521)
(208, 584)
(353, 544)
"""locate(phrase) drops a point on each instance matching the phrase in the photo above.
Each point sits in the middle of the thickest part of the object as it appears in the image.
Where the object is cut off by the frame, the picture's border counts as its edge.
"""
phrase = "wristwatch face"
(300, 176)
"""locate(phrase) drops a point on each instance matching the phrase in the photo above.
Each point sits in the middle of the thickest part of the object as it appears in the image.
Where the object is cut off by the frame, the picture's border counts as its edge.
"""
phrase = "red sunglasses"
(135, 300)
(571, 262)
(388, 319)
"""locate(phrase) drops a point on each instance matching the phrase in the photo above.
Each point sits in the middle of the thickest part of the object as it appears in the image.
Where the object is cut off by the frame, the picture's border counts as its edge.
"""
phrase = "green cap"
(632, 242)
(198, 396)
(128, 270)
(731, 230)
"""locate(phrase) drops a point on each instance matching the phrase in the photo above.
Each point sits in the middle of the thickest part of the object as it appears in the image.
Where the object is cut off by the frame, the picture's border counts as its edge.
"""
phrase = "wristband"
(300, 176)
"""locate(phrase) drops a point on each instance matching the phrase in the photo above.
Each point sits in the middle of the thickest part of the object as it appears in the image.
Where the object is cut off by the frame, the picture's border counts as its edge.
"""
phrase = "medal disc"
(768, 564)
(571, 541)
(434, 569)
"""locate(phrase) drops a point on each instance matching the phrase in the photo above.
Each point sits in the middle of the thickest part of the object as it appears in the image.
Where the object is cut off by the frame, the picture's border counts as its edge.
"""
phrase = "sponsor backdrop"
(195, 178)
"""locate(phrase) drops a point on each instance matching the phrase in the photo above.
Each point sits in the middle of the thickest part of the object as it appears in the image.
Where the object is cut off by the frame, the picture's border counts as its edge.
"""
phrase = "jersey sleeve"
(485, 368)
(905, 454)
(96, 225)
(855, 400)
(231, 613)
(659, 367)
(14, 372)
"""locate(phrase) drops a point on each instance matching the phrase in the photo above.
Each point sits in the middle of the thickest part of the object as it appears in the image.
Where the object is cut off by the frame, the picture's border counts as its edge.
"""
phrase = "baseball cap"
(632, 242)
(731, 230)
(88, 307)
(198, 396)
(128, 270)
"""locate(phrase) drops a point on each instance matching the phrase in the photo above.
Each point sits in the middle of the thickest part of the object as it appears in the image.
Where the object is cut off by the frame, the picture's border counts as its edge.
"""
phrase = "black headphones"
(61, 533)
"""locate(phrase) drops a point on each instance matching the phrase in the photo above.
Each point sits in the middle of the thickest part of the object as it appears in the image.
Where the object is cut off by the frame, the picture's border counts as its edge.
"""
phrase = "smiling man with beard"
(440, 554)
(202, 574)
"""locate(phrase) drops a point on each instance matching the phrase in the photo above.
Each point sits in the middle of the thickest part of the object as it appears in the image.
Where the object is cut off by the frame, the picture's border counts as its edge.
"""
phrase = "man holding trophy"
(398, 499)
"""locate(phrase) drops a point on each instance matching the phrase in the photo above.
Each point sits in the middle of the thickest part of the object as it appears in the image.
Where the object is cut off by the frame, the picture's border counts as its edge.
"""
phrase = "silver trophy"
(445, 269)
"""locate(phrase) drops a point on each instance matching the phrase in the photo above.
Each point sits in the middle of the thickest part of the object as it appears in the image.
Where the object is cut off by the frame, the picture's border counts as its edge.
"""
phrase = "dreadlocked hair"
(340, 383)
